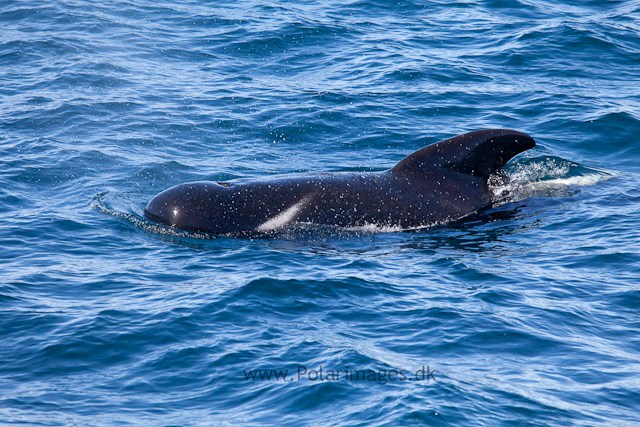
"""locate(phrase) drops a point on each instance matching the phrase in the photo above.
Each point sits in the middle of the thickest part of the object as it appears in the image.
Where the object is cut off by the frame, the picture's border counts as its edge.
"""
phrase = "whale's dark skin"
(439, 183)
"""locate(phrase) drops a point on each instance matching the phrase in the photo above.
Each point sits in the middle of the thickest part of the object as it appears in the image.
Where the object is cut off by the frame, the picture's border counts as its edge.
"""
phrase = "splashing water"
(543, 177)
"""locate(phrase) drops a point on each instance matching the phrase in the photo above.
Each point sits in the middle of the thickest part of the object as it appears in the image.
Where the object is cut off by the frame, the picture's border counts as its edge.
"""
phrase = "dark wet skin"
(437, 184)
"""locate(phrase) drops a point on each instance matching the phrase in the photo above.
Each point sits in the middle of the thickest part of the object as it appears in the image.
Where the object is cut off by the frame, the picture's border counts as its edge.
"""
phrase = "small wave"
(580, 181)
(544, 177)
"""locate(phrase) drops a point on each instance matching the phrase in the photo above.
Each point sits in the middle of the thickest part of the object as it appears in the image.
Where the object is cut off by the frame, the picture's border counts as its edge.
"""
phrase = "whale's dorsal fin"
(478, 153)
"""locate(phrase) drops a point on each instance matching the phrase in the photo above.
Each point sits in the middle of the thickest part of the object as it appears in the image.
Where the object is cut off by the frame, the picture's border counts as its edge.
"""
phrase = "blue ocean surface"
(525, 313)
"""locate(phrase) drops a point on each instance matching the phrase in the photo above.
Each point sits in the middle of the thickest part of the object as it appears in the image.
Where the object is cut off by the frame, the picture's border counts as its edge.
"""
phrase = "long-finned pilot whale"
(439, 183)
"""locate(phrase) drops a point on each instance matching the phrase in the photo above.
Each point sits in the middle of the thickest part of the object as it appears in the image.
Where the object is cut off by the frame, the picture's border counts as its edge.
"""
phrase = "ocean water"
(527, 313)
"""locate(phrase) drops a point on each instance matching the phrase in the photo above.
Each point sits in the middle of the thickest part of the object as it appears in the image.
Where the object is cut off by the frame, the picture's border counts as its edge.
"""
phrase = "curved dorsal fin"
(478, 153)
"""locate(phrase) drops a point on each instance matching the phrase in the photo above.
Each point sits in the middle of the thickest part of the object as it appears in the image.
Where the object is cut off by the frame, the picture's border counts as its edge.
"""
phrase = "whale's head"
(186, 206)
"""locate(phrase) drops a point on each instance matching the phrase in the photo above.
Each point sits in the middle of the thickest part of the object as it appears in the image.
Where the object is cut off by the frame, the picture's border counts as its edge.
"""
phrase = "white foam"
(580, 181)
(375, 228)
(283, 218)
(370, 228)
(546, 178)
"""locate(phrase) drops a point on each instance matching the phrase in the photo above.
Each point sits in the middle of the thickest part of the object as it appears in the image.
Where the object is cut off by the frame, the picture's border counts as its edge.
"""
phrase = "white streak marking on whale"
(283, 218)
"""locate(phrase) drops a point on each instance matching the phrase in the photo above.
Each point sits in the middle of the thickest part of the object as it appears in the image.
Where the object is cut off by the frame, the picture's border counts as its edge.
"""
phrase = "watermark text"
(381, 376)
